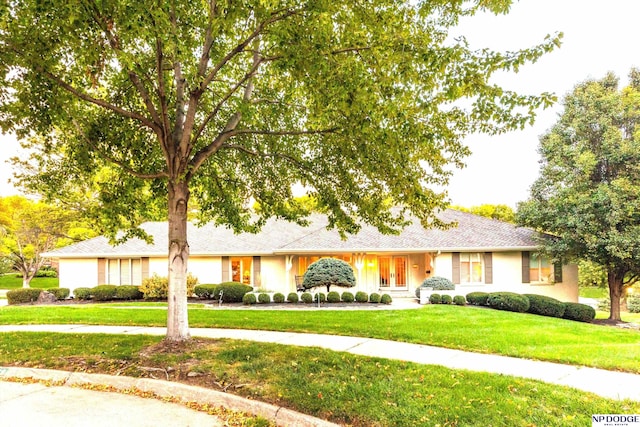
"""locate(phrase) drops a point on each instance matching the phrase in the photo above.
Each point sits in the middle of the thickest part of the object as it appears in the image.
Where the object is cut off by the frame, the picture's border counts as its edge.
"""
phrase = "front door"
(392, 272)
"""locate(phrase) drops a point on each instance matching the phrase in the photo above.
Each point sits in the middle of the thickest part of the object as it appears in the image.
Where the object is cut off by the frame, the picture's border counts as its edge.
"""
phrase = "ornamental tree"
(587, 192)
(136, 107)
(329, 272)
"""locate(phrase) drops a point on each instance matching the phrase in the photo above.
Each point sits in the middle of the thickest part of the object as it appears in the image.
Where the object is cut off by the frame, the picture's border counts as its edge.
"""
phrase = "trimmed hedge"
(104, 292)
(435, 298)
(206, 290)
(293, 297)
(579, 312)
(446, 299)
(306, 297)
(347, 297)
(438, 283)
(231, 291)
(249, 299)
(128, 292)
(278, 297)
(374, 298)
(82, 293)
(22, 295)
(60, 293)
(361, 296)
(385, 299)
(459, 300)
(508, 301)
(333, 297)
(477, 298)
(321, 296)
(263, 298)
(545, 306)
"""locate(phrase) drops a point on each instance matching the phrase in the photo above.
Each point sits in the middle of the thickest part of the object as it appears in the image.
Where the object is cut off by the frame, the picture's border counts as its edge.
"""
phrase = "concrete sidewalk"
(610, 384)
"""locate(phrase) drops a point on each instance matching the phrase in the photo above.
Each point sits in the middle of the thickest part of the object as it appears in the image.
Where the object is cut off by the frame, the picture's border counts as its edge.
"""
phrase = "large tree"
(587, 192)
(362, 103)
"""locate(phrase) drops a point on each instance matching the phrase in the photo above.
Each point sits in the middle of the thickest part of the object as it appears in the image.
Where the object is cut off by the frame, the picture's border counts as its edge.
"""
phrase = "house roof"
(472, 233)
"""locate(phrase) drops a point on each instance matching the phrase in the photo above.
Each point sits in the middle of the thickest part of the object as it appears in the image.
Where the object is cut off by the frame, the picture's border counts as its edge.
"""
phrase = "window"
(470, 268)
(123, 271)
(241, 269)
(540, 269)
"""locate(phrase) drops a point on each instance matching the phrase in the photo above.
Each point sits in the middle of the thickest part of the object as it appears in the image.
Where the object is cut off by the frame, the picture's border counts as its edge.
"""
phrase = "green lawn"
(12, 281)
(467, 328)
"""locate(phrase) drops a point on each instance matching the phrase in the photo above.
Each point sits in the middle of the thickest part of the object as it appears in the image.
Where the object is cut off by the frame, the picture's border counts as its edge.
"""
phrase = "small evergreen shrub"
(459, 300)
(362, 296)
(374, 298)
(206, 291)
(321, 296)
(446, 299)
(545, 306)
(633, 304)
(128, 292)
(333, 297)
(579, 312)
(508, 301)
(347, 297)
(264, 298)
(104, 292)
(293, 297)
(435, 298)
(604, 304)
(231, 291)
(477, 298)
(60, 293)
(306, 298)
(438, 283)
(82, 293)
(278, 297)
(22, 295)
(329, 272)
(385, 299)
(249, 299)
(155, 287)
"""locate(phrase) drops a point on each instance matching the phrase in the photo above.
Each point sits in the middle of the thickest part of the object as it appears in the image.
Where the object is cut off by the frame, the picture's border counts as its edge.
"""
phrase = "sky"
(599, 36)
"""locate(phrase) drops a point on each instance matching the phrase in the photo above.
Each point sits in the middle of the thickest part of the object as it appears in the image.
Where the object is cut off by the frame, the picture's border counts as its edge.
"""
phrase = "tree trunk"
(177, 316)
(26, 281)
(615, 279)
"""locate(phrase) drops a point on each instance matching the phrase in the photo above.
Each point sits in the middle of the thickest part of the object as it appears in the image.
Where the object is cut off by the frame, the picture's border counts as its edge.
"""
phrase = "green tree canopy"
(499, 212)
(587, 192)
(135, 103)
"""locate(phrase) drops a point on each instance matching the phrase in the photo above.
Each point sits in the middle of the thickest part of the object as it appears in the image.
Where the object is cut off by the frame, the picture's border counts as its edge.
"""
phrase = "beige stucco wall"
(273, 275)
(78, 273)
(207, 269)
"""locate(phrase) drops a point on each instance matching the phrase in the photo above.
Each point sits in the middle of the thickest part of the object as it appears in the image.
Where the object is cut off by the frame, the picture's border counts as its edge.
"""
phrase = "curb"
(185, 393)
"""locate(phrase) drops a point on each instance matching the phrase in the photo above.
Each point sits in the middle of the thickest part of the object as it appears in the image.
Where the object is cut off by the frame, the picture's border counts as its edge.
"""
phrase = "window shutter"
(102, 274)
(256, 271)
(488, 268)
(557, 272)
(455, 264)
(225, 268)
(525, 267)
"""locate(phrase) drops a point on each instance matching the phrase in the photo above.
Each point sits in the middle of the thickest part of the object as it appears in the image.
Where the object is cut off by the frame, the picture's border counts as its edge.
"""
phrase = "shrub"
(333, 297)
(104, 292)
(231, 291)
(477, 298)
(633, 304)
(157, 287)
(263, 298)
(362, 296)
(446, 299)
(435, 298)
(60, 293)
(82, 293)
(347, 297)
(22, 295)
(306, 298)
(128, 292)
(374, 298)
(545, 306)
(206, 291)
(278, 297)
(579, 312)
(321, 296)
(459, 300)
(438, 283)
(293, 297)
(508, 301)
(249, 299)
(385, 299)
(329, 272)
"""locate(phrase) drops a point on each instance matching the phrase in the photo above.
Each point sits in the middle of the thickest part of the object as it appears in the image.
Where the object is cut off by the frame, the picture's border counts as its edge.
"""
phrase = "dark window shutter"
(256, 271)
(225, 269)
(525, 267)
(557, 272)
(455, 263)
(102, 274)
(488, 268)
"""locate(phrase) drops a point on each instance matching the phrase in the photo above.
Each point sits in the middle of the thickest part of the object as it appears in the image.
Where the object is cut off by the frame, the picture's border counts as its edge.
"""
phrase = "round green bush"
(545, 306)
(60, 293)
(306, 298)
(362, 296)
(231, 291)
(128, 292)
(446, 299)
(633, 304)
(264, 298)
(22, 295)
(579, 312)
(435, 298)
(82, 293)
(205, 290)
(321, 296)
(293, 297)
(347, 297)
(477, 298)
(329, 272)
(278, 298)
(333, 297)
(374, 298)
(385, 299)
(438, 283)
(249, 299)
(459, 300)
(104, 292)
(508, 301)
